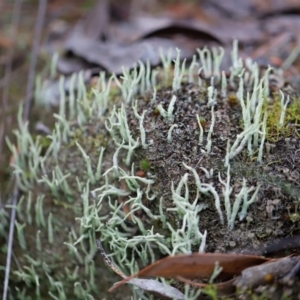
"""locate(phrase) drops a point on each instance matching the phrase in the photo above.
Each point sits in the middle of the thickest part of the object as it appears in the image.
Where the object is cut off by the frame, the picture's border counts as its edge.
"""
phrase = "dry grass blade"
(7, 74)
(30, 85)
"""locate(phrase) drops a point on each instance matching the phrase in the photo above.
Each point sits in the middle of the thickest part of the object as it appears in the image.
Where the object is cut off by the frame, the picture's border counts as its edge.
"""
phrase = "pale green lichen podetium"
(152, 168)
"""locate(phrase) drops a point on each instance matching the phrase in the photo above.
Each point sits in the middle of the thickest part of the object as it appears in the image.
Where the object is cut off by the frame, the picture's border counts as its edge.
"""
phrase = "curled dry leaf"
(115, 56)
(168, 27)
(96, 42)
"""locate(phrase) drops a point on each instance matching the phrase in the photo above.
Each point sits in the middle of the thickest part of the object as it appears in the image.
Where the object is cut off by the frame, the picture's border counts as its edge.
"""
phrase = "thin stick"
(10, 240)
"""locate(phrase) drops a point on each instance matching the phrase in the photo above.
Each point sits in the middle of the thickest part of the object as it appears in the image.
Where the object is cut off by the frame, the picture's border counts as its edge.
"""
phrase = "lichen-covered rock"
(153, 169)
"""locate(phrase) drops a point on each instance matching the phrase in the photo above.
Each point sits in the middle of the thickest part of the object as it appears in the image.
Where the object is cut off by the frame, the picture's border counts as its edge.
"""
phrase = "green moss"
(202, 121)
(145, 165)
(44, 141)
(292, 118)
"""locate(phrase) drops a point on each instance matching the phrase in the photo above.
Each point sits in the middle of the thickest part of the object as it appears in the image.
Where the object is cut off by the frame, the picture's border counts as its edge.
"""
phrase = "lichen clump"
(155, 170)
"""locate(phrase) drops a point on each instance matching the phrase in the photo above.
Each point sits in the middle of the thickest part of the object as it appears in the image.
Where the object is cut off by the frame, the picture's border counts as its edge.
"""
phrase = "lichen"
(210, 167)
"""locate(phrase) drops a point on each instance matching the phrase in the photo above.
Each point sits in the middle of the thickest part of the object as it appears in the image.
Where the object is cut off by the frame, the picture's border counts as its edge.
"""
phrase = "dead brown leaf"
(95, 41)
(198, 266)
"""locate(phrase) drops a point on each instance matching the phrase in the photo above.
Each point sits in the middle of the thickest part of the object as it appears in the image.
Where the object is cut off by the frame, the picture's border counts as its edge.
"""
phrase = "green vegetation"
(209, 163)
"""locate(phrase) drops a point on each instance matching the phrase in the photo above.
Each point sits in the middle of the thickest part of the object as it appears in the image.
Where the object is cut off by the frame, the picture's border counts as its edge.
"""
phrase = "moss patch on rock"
(154, 170)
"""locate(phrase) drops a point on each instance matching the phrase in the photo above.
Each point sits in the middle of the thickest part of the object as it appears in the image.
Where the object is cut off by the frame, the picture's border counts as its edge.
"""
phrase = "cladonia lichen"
(204, 187)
